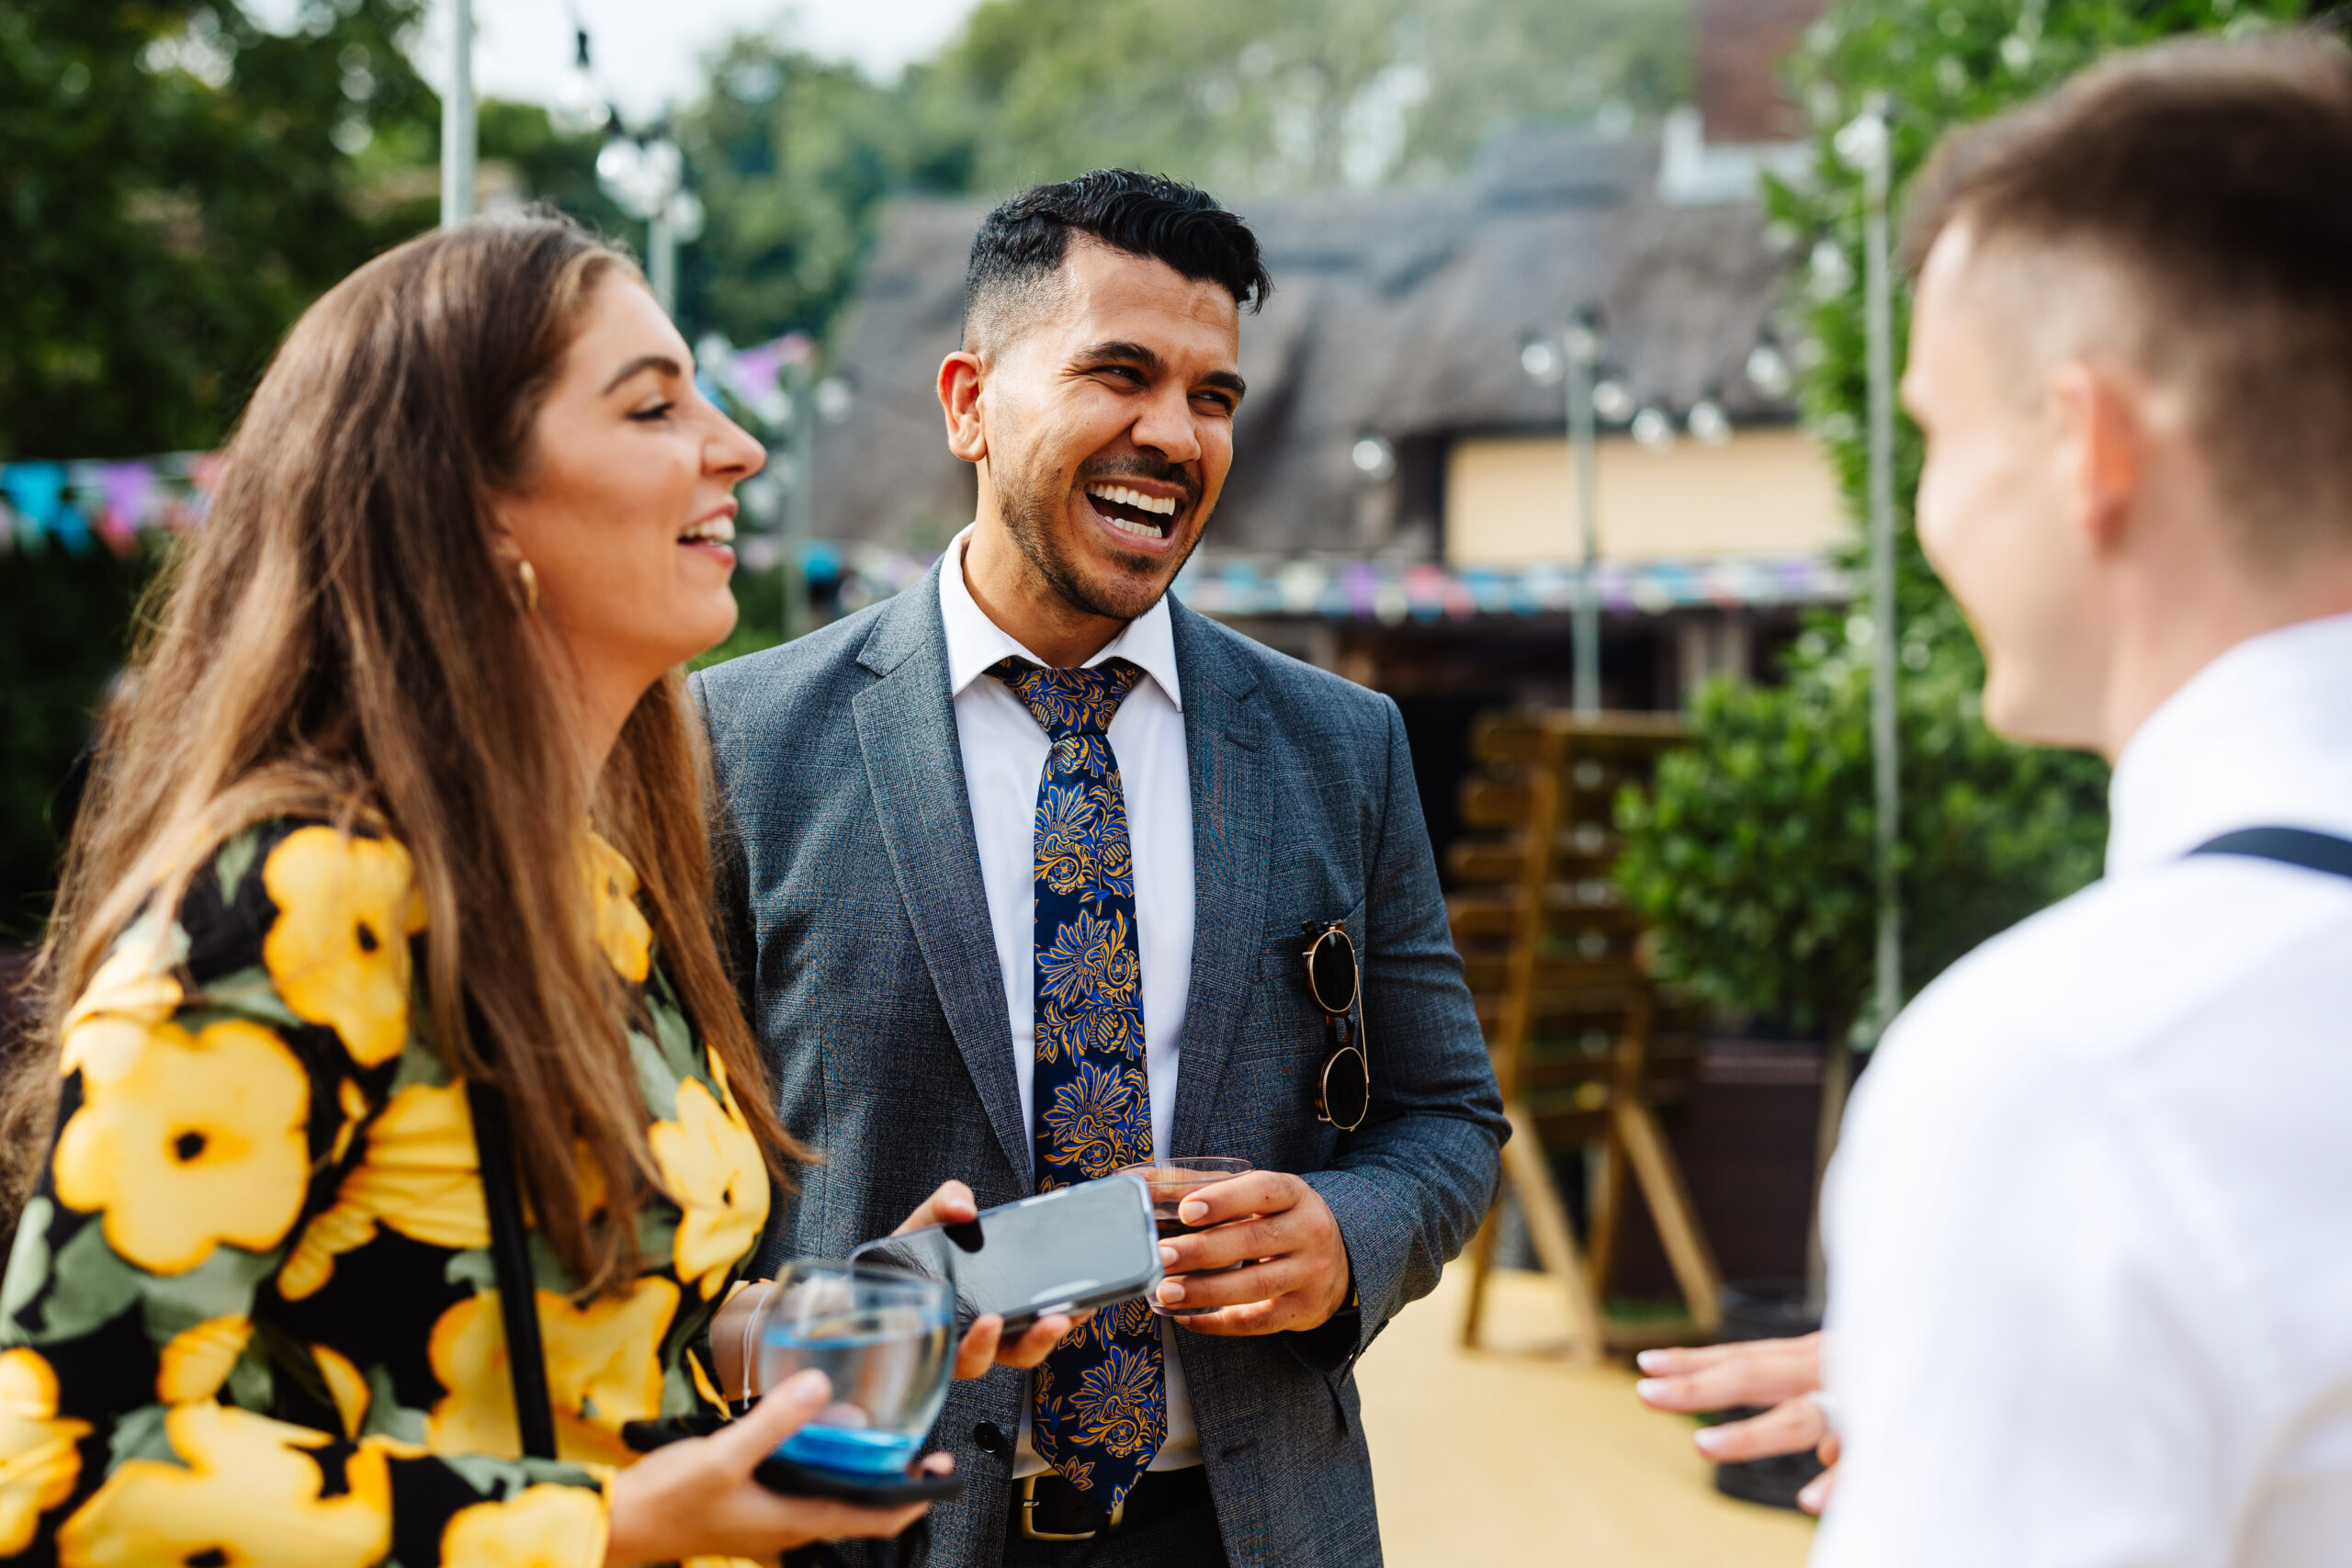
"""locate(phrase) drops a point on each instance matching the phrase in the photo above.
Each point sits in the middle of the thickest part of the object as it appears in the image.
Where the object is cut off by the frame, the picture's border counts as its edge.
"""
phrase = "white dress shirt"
(2090, 1227)
(1004, 757)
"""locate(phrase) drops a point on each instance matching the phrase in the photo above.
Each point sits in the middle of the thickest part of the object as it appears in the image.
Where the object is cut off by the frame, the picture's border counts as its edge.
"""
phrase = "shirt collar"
(2261, 737)
(975, 643)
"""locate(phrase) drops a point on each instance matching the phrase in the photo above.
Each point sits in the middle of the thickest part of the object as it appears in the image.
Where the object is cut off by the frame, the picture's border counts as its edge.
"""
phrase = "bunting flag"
(80, 505)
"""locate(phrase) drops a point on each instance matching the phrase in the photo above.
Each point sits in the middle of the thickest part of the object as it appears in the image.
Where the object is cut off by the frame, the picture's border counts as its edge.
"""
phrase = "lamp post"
(457, 120)
(1577, 361)
(645, 175)
(1863, 145)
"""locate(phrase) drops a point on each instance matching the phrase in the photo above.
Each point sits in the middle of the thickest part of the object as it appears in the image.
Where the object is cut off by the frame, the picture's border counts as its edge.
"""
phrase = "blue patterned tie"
(1101, 1410)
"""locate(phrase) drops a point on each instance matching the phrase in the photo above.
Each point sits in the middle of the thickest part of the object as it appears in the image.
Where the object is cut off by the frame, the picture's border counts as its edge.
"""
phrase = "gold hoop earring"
(530, 581)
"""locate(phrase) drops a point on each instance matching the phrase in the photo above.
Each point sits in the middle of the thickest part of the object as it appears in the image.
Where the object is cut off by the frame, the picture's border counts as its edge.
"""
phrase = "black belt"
(1046, 1508)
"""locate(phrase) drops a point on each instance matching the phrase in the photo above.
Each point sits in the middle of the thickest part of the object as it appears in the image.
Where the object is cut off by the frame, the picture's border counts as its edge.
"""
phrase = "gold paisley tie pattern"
(1101, 1409)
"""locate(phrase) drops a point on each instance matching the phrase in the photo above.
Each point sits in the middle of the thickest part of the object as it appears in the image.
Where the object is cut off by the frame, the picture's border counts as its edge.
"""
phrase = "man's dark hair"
(2215, 180)
(1017, 255)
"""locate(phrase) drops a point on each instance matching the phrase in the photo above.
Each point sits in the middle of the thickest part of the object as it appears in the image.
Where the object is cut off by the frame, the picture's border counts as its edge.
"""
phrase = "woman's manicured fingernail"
(1168, 1256)
(1651, 1361)
(1171, 1290)
(809, 1384)
(1708, 1439)
(1650, 1388)
(1192, 1210)
(1810, 1497)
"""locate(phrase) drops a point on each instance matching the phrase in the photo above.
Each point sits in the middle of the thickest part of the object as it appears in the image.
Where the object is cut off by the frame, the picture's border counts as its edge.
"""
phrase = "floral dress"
(251, 1316)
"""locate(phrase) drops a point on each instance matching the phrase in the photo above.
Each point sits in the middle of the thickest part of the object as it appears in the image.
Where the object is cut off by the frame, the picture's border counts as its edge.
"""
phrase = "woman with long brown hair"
(407, 804)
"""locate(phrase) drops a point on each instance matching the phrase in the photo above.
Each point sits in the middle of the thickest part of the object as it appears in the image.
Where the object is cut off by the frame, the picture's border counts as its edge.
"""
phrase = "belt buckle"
(1029, 1531)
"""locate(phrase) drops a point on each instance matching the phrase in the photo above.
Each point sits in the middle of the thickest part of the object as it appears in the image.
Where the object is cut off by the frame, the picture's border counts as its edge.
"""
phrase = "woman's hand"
(696, 1498)
(983, 1345)
(1782, 1373)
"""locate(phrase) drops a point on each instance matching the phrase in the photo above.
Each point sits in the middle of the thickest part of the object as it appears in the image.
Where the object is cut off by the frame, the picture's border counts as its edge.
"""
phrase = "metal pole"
(662, 255)
(1878, 303)
(458, 119)
(1584, 354)
(798, 504)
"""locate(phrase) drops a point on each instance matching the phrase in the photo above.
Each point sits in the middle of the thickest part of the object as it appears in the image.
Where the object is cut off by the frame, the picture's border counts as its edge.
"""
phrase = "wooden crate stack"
(1552, 958)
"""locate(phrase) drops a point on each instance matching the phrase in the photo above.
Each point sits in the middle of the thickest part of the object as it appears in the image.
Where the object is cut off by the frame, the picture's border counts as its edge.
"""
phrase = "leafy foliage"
(1754, 855)
(175, 185)
(792, 157)
(1267, 95)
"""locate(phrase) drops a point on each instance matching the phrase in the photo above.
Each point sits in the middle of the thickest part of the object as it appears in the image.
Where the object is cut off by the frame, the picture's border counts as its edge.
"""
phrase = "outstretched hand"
(984, 1344)
(1784, 1374)
(697, 1497)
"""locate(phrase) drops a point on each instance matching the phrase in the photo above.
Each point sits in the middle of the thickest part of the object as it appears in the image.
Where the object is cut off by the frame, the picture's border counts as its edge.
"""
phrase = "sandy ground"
(1511, 1456)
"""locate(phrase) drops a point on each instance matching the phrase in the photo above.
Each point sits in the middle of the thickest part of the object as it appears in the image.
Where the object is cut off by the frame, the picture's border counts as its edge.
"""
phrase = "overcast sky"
(647, 50)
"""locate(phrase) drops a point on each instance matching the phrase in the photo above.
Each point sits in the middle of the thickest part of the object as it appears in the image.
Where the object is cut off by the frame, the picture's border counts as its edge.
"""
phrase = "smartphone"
(1069, 1250)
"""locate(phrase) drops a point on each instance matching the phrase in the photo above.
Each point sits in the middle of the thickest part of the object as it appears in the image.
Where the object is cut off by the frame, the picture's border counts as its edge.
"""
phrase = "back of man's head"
(1016, 266)
(2201, 191)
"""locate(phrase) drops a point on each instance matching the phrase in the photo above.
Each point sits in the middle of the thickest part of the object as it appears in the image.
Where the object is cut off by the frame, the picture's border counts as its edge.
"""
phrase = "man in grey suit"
(1021, 866)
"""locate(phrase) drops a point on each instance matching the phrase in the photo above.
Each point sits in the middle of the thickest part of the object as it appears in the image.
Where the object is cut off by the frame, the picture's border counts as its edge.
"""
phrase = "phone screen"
(1074, 1248)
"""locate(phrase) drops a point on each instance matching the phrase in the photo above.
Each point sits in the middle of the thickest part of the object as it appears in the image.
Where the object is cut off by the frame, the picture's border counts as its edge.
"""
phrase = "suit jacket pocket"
(1283, 1021)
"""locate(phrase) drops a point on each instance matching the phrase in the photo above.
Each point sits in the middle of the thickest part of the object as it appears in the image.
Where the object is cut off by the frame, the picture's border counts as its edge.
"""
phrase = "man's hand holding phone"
(1292, 1272)
(983, 1343)
(983, 1346)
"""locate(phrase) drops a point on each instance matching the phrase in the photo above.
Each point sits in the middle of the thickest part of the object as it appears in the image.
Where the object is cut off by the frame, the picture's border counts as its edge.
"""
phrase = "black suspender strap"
(2290, 846)
(510, 1257)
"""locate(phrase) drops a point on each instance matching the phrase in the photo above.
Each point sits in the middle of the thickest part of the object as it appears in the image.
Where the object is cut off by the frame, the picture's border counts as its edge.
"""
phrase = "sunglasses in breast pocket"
(1343, 1083)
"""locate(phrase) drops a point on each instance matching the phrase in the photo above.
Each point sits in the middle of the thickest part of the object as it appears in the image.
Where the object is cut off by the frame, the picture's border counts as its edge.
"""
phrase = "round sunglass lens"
(1347, 1089)
(1331, 970)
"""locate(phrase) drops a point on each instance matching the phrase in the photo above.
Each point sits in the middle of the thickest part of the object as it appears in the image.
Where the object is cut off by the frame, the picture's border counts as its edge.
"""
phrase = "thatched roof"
(1398, 314)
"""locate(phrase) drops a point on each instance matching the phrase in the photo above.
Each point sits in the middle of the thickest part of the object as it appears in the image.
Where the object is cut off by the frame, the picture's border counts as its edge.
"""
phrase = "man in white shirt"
(2090, 1226)
(1024, 863)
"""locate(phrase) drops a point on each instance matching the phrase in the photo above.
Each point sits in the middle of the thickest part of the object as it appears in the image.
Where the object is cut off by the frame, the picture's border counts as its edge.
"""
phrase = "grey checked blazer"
(851, 884)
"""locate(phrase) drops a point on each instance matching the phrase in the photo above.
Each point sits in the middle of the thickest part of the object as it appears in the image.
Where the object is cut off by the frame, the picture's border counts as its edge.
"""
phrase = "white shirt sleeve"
(2022, 1318)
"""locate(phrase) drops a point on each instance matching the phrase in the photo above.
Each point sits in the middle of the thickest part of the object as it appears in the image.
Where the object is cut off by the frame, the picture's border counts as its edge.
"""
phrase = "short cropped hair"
(1017, 255)
(2215, 180)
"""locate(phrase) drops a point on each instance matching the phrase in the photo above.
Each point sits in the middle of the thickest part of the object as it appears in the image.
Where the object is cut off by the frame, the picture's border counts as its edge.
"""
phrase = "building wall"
(1510, 500)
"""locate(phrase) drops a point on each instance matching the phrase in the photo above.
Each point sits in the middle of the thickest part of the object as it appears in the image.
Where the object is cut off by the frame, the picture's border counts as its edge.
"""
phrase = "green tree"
(792, 157)
(175, 185)
(1754, 854)
(1272, 95)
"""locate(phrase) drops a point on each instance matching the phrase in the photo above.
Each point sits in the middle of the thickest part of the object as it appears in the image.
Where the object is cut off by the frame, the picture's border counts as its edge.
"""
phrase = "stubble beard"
(1031, 512)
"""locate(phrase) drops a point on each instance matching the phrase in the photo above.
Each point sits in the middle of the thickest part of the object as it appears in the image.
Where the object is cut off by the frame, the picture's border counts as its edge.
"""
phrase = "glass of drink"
(885, 1339)
(1172, 1181)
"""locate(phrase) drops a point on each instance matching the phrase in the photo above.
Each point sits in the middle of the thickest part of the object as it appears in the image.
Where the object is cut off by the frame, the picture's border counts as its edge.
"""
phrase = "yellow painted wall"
(1509, 501)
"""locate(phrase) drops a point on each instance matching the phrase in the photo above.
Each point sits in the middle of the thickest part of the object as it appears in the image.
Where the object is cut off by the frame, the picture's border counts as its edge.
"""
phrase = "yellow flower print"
(541, 1527)
(38, 1462)
(604, 1367)
(621, 927)
(338, 952)
(421, 1176)
(711, 1167)
(198, 1360)
(249, 1496)
(198, 1140)
(346, 1385)
(132, 992)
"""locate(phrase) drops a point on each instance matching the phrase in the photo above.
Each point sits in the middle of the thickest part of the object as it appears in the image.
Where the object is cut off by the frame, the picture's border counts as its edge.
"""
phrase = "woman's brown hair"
(344, 637)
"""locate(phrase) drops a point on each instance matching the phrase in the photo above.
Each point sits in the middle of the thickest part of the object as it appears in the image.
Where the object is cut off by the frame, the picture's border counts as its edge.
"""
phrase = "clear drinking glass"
(884, 1337)
(1172, 1181)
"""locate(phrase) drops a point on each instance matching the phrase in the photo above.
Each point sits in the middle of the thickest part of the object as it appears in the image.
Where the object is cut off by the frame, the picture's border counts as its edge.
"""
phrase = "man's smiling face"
(1108, 423)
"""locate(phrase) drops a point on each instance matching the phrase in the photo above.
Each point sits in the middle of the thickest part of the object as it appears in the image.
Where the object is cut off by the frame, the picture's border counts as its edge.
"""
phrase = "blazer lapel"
(906, 727)
(1232, 835)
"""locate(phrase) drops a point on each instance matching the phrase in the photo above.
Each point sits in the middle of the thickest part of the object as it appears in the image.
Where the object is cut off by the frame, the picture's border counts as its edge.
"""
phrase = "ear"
(960, 375)
(2098, 452)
